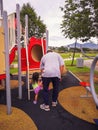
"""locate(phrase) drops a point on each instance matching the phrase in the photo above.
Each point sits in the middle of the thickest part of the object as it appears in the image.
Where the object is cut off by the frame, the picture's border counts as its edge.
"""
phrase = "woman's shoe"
(45, 107)
(54, 104)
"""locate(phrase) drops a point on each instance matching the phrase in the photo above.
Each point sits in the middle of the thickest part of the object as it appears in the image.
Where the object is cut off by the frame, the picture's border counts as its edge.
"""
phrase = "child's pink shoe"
(35, 102)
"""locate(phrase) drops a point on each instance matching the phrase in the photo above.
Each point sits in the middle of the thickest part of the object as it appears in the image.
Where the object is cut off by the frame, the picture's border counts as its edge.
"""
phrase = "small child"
(37, 85)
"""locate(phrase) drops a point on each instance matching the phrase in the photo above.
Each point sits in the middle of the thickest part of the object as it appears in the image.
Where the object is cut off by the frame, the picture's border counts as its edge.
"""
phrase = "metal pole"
(19, 49)
(8, 91)
(42, 45)
(26, 28)
(47, 39)
(26, 45)
(1, 8)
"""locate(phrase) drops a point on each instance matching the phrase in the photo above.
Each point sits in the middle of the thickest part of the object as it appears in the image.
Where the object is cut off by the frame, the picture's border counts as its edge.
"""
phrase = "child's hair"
(35, 77)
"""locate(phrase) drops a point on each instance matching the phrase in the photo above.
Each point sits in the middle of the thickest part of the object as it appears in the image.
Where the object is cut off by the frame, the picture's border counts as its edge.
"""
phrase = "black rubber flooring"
(56, 119)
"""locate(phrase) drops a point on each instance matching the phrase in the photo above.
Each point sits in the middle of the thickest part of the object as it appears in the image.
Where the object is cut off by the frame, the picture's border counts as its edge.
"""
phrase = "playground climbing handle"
(92, 80)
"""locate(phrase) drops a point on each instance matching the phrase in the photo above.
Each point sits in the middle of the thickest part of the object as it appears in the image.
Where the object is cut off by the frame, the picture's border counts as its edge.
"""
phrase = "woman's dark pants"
(46, 81)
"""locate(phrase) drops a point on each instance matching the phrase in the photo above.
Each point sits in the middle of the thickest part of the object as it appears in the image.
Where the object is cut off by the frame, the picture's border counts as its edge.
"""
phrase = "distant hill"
(88, 45)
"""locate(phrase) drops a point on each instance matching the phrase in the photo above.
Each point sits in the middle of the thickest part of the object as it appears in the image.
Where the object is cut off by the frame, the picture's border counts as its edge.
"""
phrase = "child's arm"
(40, 83)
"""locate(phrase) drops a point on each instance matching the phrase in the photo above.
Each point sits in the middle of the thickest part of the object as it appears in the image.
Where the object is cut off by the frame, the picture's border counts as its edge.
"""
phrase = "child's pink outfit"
(36, 88)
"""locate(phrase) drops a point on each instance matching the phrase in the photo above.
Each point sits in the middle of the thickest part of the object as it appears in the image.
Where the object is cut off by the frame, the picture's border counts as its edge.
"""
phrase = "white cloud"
(50, 13)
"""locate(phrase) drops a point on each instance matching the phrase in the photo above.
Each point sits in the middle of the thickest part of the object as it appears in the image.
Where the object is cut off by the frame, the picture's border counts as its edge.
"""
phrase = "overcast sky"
(50, 13)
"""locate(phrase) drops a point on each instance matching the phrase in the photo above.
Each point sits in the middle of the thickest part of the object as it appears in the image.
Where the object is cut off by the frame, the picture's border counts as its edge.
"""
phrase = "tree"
(80, 19)
(36, 27)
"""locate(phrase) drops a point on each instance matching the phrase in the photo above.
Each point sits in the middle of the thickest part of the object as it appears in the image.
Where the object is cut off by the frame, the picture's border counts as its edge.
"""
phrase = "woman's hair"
(35, 77)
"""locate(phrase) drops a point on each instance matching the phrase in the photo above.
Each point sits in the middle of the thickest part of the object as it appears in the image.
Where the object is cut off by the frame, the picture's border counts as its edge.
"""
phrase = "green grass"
(69, 54)
(78, 54)
(74, 68)
(13, 70)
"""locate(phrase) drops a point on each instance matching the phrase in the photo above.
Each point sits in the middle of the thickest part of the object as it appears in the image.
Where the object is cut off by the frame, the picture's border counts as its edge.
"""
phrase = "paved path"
(88, 63)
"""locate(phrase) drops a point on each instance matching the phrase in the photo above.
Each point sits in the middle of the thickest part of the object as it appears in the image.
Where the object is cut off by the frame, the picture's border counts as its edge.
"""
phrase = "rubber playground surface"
(72, 112)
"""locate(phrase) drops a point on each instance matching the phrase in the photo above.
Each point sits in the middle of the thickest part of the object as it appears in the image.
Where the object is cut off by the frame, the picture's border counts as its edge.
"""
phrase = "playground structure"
(95, 96)
(29, 55)
(84, 54)
(2, 64)
(36, 49)
(90, 86)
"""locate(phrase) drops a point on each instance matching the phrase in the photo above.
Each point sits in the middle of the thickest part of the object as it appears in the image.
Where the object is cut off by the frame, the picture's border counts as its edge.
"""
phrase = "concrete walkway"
(88, 63)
